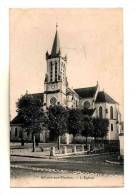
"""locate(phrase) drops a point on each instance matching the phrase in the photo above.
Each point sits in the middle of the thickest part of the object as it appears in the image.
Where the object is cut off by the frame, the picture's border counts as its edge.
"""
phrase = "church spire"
(56, 44)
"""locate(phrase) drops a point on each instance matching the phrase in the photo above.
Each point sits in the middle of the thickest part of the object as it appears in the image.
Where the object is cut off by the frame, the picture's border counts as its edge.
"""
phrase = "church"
(58, 91)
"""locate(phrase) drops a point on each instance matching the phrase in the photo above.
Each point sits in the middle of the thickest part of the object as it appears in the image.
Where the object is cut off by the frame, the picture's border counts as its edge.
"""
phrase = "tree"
(100, 127)
(34, 118)
(74, 121)
(57, 116)
(87, 128)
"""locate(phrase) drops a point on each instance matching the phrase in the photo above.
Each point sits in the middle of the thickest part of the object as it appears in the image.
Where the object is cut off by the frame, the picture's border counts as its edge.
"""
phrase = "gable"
(103, 97)
(87, 92)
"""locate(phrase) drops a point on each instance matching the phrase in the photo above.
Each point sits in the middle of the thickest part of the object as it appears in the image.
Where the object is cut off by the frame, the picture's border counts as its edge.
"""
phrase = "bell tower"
(55, 83)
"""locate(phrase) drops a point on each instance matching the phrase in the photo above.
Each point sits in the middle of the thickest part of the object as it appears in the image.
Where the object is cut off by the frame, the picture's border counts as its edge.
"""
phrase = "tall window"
(63, 71)
(51, 70)
(16, 132)
(111, 127)
(100, 112)
(61, 66)
(111, 112)
(55, 71)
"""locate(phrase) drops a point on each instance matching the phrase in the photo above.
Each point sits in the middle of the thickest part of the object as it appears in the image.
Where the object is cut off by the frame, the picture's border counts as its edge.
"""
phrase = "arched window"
(100, 112)
(111, 127)
(16, 132)
(61, 67)
(55, 71)
(111, 112)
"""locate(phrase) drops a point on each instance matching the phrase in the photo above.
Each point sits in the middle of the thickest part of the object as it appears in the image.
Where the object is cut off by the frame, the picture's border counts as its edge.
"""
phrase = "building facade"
(58, 91)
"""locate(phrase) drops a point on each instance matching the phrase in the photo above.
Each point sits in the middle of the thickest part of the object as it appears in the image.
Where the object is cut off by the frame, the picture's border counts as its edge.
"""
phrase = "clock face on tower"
(53, 86)
(53, 101)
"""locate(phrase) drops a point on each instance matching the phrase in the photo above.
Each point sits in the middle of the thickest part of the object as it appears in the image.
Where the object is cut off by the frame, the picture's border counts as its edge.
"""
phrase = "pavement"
(84, 171)
(36, 169)
(89, 164)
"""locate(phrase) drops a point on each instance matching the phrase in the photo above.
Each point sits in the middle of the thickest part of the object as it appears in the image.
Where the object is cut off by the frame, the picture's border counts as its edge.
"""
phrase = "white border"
(129, 64)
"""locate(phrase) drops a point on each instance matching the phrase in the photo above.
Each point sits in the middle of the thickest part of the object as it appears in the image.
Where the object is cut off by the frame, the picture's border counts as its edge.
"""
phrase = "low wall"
(66, 151)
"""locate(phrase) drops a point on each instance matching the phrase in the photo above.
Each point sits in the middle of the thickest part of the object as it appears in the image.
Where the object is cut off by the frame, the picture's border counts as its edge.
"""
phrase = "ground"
(74, 171)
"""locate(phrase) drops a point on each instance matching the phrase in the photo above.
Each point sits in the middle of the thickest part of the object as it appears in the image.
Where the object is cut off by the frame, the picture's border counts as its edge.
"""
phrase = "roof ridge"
(34, 93)
(86, 87)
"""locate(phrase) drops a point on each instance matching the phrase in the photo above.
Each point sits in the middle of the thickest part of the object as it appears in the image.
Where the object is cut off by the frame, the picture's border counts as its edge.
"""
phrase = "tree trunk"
(95, 141)
(58, 142)
(22, 142)
(37, 143)
(22, 138)
(33, 144)
(74, 138)
(37, 140)
(103, 143)
(86, 142)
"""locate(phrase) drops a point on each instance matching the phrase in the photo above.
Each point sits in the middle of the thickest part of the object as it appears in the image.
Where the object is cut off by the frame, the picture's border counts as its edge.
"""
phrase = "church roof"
(70, 92)
(17, 120)
(56, 45)
(39, 96)
(86, 92)
(103, 97)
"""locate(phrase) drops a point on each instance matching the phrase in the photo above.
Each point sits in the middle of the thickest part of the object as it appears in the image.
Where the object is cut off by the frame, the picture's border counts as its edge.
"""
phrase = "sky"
(91, 38)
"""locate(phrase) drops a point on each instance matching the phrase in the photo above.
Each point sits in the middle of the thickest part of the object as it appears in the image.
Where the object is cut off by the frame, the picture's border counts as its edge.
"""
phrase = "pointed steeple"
(56, 45)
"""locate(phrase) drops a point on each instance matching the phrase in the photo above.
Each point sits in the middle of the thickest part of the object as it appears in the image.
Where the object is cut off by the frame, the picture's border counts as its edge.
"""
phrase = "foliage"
(31, 113)
(59, 119)
(57, 116)
(75, 121)
(100, 127)
(87, 127)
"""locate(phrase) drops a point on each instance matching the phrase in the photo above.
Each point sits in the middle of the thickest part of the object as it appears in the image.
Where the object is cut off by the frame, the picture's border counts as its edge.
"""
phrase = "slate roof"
(86, 92)
(103, 97)
(39, 96)
(56, 46)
